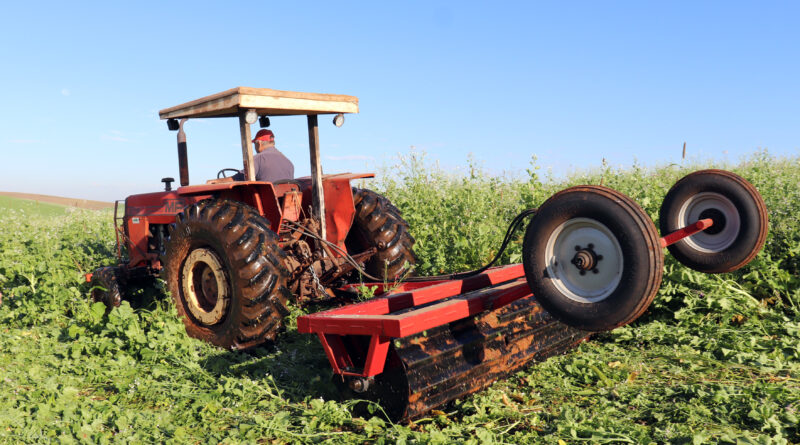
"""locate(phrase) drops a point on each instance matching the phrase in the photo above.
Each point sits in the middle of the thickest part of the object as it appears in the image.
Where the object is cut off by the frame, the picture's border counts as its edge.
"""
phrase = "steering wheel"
(221, 173)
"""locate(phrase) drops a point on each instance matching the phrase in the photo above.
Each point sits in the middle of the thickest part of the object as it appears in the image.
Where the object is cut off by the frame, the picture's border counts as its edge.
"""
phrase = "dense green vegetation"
(715, 359)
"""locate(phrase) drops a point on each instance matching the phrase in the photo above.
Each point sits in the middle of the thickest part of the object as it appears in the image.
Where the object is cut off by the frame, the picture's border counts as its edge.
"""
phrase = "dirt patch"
(68, 202)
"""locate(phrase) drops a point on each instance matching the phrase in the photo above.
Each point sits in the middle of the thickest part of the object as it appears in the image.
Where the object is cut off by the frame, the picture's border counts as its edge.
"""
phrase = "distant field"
(31, 207)
(57, 200)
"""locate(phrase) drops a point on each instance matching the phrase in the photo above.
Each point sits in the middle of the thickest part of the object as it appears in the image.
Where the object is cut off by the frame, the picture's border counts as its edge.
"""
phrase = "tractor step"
(429, 344)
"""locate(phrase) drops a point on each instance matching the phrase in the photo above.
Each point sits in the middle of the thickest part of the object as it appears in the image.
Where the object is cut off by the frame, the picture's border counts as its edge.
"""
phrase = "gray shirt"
(271, 166)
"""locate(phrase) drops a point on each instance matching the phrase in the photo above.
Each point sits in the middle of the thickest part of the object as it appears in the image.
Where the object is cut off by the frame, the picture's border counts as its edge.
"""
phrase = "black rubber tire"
(377, 223)
(106, 286)
(638, 240)
(750, 207)
(251, 261)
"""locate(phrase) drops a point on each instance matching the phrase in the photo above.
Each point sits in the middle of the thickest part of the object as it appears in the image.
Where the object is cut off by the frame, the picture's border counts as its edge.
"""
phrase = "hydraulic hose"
(516, 223)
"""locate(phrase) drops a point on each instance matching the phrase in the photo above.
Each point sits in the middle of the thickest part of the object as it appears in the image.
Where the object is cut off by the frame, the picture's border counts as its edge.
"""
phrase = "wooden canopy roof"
(265, 101)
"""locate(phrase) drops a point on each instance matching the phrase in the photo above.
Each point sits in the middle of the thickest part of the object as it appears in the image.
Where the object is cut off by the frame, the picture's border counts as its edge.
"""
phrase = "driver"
(270, 164)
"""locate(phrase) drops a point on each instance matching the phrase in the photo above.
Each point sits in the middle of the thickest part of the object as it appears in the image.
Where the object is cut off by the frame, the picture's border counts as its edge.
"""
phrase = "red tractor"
(232, 253)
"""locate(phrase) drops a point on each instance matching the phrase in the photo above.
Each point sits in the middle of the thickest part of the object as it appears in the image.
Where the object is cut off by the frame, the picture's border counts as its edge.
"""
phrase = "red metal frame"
(404, 313)
(117, 229)
(687, 231)
(414, 307)
(144, 210)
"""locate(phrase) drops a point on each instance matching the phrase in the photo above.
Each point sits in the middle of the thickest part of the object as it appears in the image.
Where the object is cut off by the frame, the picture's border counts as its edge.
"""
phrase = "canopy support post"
(247, 154)
(317, 193)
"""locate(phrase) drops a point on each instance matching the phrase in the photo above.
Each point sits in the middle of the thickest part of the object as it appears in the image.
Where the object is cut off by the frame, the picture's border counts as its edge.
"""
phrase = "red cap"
(264, 135)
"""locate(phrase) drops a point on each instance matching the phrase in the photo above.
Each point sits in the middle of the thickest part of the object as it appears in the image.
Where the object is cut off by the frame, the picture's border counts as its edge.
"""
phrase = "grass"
(715, 359)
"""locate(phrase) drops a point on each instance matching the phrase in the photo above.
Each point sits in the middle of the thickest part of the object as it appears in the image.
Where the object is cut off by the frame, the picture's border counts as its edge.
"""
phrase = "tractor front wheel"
(224, 269)
(105, 286)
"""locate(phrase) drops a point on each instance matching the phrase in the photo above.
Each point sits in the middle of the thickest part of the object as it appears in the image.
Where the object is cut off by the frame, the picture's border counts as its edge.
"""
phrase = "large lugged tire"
(739, 215)
(592, 258)
(377, 223)
(224, 270)
(106, 287)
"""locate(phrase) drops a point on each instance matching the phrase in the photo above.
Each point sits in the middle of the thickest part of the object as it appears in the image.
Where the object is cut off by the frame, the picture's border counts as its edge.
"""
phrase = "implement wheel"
(225, 272)
(739, 215)
(592, 258)
(378, 224)
(105, 286)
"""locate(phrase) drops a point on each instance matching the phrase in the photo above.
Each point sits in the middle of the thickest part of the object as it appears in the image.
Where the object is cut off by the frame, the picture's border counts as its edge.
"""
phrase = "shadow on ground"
(295, 361)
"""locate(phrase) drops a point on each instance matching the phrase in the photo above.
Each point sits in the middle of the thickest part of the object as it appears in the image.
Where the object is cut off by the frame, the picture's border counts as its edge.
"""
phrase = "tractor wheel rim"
(569, 245)
(714, 241)
(205, 286)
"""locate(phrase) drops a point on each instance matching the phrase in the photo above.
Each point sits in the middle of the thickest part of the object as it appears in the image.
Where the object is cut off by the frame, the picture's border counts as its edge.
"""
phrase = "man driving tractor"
(269, 163)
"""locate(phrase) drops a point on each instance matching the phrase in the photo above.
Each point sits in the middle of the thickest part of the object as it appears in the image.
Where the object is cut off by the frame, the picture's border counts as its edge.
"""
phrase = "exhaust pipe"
(183, 159)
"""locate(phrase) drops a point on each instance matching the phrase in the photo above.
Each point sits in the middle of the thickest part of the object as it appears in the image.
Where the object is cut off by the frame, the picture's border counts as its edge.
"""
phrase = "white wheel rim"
(591, 286)
(690, 212)
(203, 268)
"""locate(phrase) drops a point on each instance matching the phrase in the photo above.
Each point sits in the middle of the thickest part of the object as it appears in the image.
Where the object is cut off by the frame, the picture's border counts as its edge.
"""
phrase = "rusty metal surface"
(183, 159)
(429, 369)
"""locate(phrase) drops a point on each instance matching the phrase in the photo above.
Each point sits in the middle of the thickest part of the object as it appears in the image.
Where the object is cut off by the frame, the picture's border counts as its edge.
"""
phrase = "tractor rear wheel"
(224, 269)
(739, 215)
(592, 258)
(379, 224)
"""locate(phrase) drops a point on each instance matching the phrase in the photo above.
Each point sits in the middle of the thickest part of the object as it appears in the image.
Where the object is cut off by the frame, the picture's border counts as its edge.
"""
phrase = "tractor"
(235, 253)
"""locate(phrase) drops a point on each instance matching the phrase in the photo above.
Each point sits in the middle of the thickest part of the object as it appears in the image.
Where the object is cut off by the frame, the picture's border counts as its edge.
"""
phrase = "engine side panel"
(149, 209)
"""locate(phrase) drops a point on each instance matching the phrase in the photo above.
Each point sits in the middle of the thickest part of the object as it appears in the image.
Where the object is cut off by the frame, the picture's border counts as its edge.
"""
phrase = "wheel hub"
(205, 286)
(719, 220)
(586, 259)
(578, 246)
(727, 222)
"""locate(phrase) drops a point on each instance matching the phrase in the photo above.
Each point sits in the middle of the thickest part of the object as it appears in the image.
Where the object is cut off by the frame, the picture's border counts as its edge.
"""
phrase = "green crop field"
(715, 358)
(31, 207)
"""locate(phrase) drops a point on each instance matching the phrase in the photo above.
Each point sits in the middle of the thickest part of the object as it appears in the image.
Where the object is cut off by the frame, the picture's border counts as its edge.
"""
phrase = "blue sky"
(571, 82)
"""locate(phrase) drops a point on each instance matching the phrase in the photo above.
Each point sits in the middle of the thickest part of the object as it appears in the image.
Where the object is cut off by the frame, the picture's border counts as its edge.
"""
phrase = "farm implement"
(235, 253)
